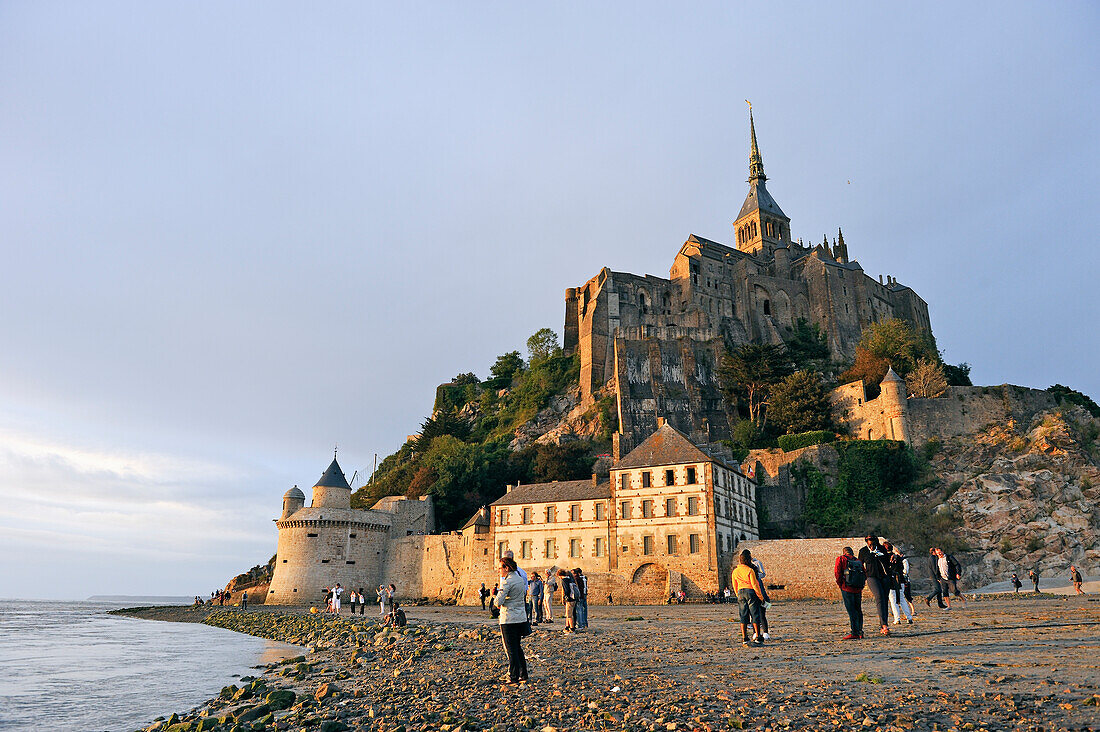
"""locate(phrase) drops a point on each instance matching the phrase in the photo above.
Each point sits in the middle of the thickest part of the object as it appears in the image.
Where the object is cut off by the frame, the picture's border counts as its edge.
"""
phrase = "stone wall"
(312, 555)
(781, 498)
(800, 568)
(967, 409)
(425, 566)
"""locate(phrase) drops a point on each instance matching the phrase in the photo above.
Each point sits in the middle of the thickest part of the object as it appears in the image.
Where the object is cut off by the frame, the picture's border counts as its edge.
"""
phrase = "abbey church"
(655, 343)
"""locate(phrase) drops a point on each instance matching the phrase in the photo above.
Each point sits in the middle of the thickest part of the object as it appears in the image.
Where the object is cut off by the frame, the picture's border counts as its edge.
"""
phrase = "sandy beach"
(995, 662)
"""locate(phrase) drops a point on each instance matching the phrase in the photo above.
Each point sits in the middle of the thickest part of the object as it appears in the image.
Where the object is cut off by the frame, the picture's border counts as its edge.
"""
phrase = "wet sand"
(995, 662)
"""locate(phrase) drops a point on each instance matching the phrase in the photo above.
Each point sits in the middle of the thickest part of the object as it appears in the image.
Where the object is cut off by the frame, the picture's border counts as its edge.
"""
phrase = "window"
(502, 517)
(351, 536)
(693, 543)
(575, 512)
(502, 546)
(767, 307)
(551, 549)
(574, 547)
(551, 514)
(647, 509)
(693, 505)
(647, 545)
(312, 536)
(670, 507)
(350, 561)
(718, 506)
(599, 546)
(647, 478)
(527, 515)
(624, 481)
(598, 510)
(691, 476)
(670, 477)
(525, 550)
(624, 509)
(671, 543)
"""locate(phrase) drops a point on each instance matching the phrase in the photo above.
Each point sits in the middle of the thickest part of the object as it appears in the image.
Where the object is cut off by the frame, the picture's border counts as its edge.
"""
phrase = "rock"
(254, 713)
(325, 691)
(280, 699)
(332, 725)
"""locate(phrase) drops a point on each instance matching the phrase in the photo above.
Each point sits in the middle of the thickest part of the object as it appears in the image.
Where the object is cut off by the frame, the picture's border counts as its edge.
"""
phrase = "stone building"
(886, 417)
(329, 541)
(669, 517)
(656, 342)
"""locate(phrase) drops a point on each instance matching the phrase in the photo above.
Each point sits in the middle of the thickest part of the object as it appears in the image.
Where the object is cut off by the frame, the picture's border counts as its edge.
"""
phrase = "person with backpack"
(872, 556)
(580, 587)
(851, 578)
(750, 598)
(895, 570)
(1016, 582)
(1033, 575)
(1076, 579)
(568, 599)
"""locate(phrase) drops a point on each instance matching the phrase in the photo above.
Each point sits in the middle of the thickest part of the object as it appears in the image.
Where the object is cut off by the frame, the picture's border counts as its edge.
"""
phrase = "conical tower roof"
(758, 196)
(891, 375)
(333, 477)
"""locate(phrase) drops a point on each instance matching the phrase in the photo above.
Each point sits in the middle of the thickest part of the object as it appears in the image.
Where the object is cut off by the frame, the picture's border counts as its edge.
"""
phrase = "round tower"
(293, 500)
(895, 409)
(332, 490)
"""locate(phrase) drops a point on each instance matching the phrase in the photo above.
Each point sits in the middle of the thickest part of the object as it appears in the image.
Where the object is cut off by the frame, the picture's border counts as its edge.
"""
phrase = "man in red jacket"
(850, 578)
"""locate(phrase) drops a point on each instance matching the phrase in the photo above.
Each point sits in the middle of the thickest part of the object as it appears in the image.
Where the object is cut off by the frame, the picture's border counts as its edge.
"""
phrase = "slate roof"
(558, 491)
(891, 375)
(759, 198)
(295, 492)
(333, 477)
(478, 519)
(666, 446)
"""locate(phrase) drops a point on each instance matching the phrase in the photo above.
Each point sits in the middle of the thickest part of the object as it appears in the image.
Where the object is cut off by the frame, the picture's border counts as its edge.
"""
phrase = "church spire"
(756, 163)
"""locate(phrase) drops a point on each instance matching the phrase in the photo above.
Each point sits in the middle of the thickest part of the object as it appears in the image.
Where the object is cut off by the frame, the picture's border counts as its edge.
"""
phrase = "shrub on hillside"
(805, 439)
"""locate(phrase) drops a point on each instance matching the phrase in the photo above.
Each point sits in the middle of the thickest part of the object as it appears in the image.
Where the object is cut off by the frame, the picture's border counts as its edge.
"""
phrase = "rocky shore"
(996, 663)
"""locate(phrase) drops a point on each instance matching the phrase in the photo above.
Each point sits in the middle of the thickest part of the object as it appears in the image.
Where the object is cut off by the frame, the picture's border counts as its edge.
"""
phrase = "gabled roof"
(555, 492)
(333, 477)
(478, 519)
(666, 446)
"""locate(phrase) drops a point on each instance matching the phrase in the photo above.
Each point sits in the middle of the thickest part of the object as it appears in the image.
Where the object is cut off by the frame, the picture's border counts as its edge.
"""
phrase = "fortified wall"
(801, 568)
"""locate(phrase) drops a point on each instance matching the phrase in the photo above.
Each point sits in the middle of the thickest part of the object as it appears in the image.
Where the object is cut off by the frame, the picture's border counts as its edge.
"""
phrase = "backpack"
(855, 576)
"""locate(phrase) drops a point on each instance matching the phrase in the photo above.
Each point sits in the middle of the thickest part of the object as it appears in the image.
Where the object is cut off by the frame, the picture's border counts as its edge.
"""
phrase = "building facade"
(656, 342)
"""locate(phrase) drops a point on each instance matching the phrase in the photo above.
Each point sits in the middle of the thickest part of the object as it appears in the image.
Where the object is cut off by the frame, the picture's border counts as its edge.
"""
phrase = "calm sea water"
(71, 666)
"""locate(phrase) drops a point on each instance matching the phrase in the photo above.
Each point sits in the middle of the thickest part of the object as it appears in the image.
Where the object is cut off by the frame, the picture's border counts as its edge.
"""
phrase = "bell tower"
(761, 225)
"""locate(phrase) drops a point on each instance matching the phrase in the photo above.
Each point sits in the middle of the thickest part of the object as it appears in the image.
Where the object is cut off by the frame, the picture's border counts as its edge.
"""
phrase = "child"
(750, 598)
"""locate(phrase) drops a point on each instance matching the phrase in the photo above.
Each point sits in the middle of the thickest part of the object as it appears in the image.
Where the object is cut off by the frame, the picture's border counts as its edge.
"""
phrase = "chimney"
(594, 481)
(616, 447)
(660, 422)
(880, 279)
(508, 488)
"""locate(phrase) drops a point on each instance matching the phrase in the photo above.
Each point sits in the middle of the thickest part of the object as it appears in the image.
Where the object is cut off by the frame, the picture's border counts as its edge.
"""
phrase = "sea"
(71, 666)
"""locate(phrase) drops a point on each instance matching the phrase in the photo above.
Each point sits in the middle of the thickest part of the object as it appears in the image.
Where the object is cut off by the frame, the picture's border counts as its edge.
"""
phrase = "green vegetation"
(800, 403)
(889, 343)
(864, 677)
(957, 375)
(805, 439)
(749, 373)
(461, 457)
(869, 472)
(1064, 394)
(808, 347)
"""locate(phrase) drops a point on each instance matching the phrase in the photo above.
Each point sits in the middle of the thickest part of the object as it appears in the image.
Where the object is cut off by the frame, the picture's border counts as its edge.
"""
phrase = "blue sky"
(236, 234)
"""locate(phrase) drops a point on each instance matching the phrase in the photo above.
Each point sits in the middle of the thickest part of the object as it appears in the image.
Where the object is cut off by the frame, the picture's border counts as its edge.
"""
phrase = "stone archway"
(650, 583)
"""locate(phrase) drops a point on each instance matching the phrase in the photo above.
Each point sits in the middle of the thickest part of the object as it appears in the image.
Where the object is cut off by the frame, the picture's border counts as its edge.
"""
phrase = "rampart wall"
(425, 566)
(967, 409)
(800, 568)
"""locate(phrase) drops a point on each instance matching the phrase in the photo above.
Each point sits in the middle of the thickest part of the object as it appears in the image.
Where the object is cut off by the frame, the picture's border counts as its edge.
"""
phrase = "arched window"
(752, 229)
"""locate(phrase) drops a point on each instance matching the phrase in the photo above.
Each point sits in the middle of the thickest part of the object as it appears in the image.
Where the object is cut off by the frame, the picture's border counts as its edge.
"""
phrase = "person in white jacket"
(512, 601)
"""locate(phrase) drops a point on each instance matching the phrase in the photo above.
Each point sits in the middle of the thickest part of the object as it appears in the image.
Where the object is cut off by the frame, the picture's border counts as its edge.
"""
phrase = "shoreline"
(997, 662)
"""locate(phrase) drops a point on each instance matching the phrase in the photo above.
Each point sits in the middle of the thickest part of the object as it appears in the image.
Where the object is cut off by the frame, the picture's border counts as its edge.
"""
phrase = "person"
(895, 574)
(750, 598)
(336, 592)
(483, 594)
(1075, 578)
(548, 596)
(1016, 582)
(494, 611)
(582, 598)
(872, 558)
(523, 575)
(954, 574)
(1033, 575)
(353, 600)
(726, 594)
(906, 585)
(511, 598)
(943, 567)
(381, 593)
(391, 594)
(399, 619)
(851, 578)
(568, 599)
(362, 602)
(767, 603)
(536, 597)
(244, 600)
(933, 572)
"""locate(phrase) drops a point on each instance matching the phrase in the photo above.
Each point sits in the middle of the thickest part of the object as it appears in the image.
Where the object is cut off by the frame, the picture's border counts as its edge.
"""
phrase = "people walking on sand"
(750, 598)
(536, 591)
(933, 573)
(943, 567)
(582, 598)
(758, 566)
(548, 597)
(1033, 575)
(511, 598)
(851, 578)
(906, 584)
(872, 557)
(895, 572)
(244, 600)
(1016, 582)
(1076, 579)
(483, 593)
(954, 574)
(568, 599)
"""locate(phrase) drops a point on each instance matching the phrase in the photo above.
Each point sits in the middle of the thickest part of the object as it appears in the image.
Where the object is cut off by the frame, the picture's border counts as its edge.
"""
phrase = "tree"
(889, 343)
(467, 379)
(445, 421)
(506, 367)
(800, 403)
(957, 375)
(808, 347)
(926, 380)
(542, 345)
(749, 372)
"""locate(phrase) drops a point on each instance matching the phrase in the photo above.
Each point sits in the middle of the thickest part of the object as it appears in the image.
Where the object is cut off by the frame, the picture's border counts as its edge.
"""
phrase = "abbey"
(654, 343)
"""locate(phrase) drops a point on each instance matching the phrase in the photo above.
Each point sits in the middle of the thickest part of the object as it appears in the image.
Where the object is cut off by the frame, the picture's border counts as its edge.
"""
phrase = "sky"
(236, 235)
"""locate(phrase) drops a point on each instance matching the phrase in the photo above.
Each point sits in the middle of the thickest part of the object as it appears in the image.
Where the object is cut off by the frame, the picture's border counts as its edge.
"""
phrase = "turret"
(332, 490)
(895, 405)
(841, 249)
(293, 500)
(782, 261)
